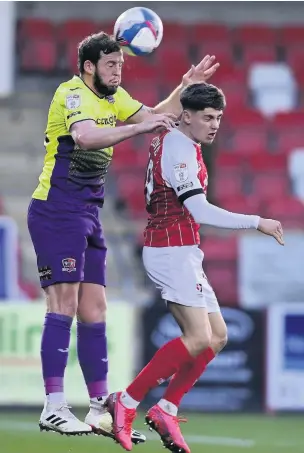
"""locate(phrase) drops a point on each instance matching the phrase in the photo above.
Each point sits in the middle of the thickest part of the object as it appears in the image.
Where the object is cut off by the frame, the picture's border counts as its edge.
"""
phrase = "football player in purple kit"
(63, 218)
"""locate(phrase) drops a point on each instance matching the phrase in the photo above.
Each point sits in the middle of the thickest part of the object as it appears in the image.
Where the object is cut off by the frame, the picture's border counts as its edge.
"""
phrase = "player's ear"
(89, 67)
(187, 116)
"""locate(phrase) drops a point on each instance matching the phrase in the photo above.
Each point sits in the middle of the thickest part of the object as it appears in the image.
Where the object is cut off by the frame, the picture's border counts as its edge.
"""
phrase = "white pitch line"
(191, 438)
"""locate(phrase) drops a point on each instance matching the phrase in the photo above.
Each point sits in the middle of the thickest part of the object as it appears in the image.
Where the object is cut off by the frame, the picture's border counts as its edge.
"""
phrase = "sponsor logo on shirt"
(73, 114)
(185, 186)
(181, 172)
(72, 101)
(199, 288)
(69, 265)
(109, 121)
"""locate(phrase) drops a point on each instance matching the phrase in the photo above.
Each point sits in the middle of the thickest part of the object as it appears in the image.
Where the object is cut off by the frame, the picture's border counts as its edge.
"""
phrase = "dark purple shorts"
(68, 242)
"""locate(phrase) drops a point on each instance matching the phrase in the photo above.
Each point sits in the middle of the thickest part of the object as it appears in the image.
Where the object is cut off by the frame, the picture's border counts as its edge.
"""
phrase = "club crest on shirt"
(110, 99)
(181, 172)
(72, 101)
(69, 265)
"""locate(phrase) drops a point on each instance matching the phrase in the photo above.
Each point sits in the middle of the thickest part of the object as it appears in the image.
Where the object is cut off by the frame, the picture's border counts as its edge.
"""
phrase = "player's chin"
(208, 140)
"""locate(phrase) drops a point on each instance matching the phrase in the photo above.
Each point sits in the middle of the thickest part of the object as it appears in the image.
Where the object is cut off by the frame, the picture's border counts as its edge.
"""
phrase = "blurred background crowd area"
(256, 166)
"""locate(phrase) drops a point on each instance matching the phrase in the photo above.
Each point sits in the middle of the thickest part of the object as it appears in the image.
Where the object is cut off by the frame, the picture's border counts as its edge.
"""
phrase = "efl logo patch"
(72, 101)
(181, 172)
(69, 265)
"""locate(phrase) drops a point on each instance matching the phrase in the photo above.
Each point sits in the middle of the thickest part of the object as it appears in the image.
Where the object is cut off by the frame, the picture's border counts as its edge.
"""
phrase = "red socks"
(164, 364)
(186, 377)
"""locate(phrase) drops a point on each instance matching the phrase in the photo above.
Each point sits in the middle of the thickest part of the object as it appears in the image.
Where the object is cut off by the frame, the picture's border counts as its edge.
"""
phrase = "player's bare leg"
(219, 331)
(61, 301)
(93, 357)
(166, 362)
(197, 335)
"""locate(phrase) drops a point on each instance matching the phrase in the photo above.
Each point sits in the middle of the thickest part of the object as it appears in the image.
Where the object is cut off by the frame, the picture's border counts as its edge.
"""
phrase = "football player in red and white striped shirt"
(176, 185)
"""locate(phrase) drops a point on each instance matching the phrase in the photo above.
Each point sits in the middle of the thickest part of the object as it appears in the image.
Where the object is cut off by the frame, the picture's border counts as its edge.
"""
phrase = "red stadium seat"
(75, 30)
(209, 32)
(264, 162)
(147, 94)
(268, 186)
(241, 204)
(288, 121)
(255, 34)
(289, 210)
(172, 64)
(39, 55)
(227, 184)
(286, 140)
(292, 36)
(71, 57)
(223, 51)
(227, 160)
(139, 71)
(230, 78)
(235, 98)
(220, 247)
(240, 118)
(259, 54)
(175, 34)
(223, 278)
(247, 140)
(36, 28)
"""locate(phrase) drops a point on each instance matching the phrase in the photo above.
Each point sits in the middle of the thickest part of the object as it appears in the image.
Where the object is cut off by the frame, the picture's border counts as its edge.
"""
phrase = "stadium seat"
(38, 56)
(255, 34)
(292, 36)
(249, 118)
(288, 121)
(262, 161)
(227, 160)
(223, 51)
(247, 140)
(241, 204)
(220, 247)
(209, 32)
(172, 63)
(230, 77)
(70, 60)
(259, 54)
(36, 29)
(147, 94)
(75, 30)
(287, 140)
(139, 71)
(223, 278)
(175, 34)
(288, 210)
(227, 184)
(269, 186)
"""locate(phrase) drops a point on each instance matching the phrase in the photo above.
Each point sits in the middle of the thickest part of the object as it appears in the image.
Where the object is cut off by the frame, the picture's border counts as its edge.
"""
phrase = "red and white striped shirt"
(175, 172)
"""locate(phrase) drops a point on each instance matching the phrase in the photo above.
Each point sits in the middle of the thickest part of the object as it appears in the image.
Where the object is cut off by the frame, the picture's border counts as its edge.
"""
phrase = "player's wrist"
(255, 221)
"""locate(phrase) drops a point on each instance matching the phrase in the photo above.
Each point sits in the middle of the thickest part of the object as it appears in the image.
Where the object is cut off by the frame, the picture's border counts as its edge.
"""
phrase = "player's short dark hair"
(200, 96)
(91, 46)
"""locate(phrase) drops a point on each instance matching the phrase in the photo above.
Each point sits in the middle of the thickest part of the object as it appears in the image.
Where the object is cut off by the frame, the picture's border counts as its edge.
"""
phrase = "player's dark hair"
(200, 96)
(91, 47)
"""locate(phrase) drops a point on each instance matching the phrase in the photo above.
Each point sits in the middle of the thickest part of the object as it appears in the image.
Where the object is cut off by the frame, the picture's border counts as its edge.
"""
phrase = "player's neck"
(184, 130)
(89, 83)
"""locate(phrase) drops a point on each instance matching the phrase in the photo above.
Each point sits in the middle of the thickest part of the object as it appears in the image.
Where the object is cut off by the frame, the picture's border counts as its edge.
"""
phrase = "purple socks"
(93, 357)
(54, 350)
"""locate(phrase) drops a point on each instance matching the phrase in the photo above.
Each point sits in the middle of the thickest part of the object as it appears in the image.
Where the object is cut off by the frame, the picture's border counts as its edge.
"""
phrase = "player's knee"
(198, 343)
(218, 342)
(62, 298)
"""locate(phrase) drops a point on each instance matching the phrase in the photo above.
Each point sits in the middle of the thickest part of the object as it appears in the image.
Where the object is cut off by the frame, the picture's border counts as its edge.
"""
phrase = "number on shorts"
(149, 182)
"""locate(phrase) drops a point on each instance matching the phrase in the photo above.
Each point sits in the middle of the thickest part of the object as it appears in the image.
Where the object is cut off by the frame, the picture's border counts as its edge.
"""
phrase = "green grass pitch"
(19, 433)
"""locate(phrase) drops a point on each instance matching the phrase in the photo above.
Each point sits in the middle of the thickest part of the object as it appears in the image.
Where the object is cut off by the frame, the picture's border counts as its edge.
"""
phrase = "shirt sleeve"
(180, 167)
(127, 106)
(75, 107)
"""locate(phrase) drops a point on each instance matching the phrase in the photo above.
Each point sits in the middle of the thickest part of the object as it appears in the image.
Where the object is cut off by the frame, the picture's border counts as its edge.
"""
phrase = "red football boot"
(167, 426)
(122, 420)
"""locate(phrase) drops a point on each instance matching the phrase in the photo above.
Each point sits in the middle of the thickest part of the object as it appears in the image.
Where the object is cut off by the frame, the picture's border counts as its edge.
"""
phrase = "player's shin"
(93, 360)
(184, 380)
(166, 362)
(54, 355)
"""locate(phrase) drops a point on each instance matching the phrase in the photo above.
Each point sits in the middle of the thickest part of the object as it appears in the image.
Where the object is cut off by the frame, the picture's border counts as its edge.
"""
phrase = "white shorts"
(178, 273)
